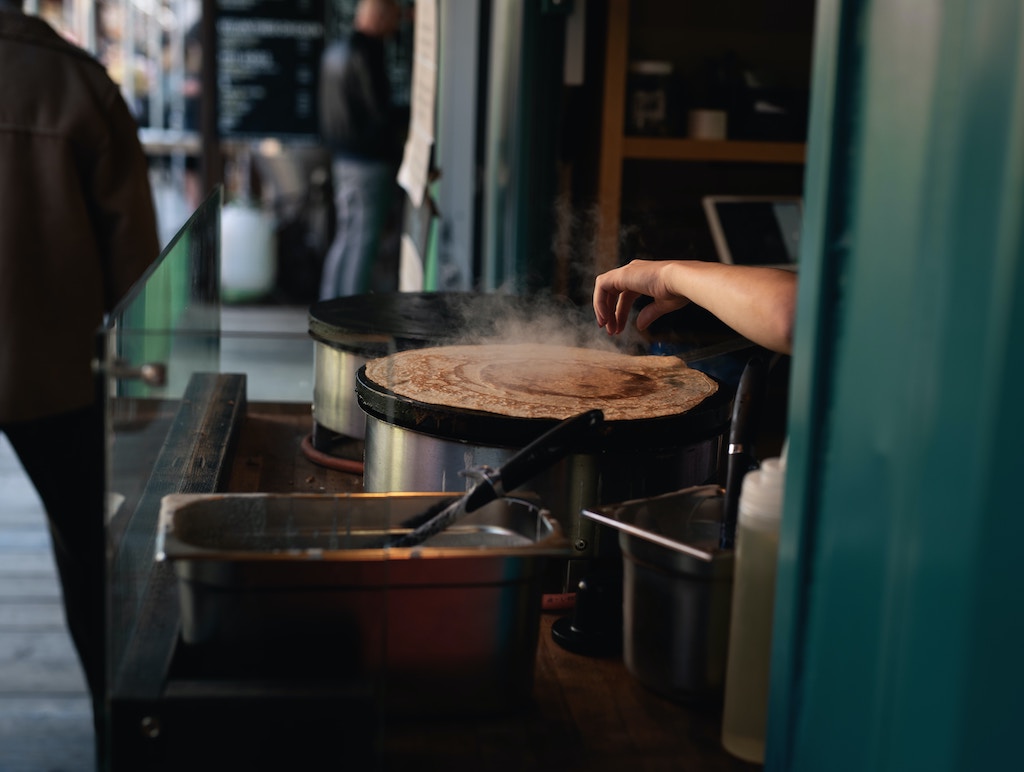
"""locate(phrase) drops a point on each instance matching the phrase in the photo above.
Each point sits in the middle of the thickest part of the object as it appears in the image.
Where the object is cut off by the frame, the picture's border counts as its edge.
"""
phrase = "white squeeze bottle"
(753, 600)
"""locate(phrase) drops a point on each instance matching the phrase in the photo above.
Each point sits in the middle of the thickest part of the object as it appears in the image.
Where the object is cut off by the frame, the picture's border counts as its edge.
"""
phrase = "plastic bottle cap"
(761, 492)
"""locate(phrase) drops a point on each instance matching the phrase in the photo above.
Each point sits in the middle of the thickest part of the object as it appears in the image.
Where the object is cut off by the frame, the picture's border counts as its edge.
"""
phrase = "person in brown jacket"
(77, 229)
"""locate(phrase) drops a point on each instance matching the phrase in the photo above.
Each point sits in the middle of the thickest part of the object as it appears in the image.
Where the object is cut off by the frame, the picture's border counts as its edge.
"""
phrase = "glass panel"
(184, 382)
(166, 329)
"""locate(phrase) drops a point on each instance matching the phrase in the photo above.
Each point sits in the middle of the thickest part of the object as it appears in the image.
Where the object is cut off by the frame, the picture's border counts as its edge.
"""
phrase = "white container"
(248, 253)
(707, 124)
(753, 600)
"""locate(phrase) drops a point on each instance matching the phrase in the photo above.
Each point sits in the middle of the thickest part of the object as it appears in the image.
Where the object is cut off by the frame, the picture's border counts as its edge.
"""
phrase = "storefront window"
(149, 47)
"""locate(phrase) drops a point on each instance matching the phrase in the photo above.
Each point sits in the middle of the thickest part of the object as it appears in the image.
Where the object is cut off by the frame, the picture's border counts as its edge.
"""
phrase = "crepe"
(528, 380)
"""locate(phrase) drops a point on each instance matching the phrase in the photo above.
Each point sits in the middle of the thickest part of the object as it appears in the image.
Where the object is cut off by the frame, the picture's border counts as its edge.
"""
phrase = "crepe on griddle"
(530, 380)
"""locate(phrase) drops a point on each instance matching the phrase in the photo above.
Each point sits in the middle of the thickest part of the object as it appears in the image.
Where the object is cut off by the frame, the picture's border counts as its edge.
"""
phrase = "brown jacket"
(77, 224)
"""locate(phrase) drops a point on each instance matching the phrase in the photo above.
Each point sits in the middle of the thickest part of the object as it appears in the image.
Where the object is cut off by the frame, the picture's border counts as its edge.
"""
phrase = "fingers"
(612, 304)
(616, 290)
(605, 299)
(622, 309)
(607, 312)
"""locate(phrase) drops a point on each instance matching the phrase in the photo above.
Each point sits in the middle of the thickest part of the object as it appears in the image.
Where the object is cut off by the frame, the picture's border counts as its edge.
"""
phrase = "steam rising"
(506, 319)
(561, 316)
(550, 317)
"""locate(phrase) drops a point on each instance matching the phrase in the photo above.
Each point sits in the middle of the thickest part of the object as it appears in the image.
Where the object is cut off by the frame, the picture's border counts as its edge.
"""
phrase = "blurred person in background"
(77, 229)
(358, 124)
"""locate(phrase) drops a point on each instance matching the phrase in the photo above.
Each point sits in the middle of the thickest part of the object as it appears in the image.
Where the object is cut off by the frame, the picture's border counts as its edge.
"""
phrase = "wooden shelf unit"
(743, 151)
(617, 147)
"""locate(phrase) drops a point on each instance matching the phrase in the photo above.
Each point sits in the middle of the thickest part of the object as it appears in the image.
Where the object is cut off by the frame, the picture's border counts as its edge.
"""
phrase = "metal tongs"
(550, 447)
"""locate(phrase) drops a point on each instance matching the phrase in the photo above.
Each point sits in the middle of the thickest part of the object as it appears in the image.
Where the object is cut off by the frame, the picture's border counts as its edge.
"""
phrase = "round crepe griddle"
(507, 392)
(372, 322)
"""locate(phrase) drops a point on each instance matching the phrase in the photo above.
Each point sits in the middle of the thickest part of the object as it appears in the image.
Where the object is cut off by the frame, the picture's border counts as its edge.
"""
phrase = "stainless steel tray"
(451, 623)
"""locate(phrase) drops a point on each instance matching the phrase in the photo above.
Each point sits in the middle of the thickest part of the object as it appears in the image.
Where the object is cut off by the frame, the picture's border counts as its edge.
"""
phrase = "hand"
(615, 292)
(757, 302)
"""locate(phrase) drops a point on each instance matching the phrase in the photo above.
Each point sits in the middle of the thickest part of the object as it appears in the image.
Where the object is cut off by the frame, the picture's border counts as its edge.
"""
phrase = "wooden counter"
(588, 714)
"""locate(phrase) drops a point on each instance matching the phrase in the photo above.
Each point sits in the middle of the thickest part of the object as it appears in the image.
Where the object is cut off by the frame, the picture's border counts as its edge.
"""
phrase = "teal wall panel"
(898, 631)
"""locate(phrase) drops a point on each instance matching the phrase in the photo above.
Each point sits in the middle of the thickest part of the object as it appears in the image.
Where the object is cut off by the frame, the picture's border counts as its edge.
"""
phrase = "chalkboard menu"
(268, 63)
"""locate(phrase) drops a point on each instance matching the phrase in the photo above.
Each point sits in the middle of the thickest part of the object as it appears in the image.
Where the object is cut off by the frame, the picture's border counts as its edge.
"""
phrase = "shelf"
(657, 149)
(618, 148)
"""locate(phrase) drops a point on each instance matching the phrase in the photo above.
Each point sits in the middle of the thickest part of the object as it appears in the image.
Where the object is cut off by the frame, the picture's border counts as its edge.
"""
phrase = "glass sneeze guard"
(163, 331)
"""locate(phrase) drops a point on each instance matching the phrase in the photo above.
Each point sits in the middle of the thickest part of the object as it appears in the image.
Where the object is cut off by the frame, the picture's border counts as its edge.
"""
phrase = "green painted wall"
(899, 626)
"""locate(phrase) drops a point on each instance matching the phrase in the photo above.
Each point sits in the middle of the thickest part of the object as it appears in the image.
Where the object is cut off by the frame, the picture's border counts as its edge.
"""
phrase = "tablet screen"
(755, 230)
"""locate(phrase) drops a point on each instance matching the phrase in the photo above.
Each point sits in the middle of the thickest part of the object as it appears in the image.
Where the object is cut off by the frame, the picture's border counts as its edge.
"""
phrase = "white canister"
(745, 713)
(248, 255)
(707, 124)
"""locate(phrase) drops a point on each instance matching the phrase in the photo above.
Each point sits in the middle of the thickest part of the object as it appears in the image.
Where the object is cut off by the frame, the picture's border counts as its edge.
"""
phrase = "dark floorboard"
(45, 716)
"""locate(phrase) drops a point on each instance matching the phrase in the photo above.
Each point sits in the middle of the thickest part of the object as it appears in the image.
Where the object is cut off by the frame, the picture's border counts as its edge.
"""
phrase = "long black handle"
(525, 464)
(741, 457)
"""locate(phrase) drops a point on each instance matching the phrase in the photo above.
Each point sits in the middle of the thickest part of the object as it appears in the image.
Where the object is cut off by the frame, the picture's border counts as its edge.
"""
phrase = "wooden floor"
(45, 716)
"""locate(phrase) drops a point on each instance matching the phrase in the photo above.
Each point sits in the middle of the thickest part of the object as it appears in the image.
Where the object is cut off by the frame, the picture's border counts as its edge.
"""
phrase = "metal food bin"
(677, 590)
(298, 586)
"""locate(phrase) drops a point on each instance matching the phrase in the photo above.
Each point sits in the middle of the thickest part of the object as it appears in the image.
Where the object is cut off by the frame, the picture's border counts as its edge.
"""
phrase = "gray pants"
(363, 192)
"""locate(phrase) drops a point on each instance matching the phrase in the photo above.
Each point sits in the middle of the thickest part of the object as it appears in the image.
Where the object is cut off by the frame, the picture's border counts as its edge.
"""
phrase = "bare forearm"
(756, 302)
